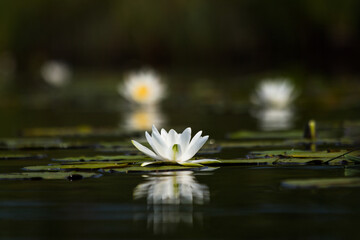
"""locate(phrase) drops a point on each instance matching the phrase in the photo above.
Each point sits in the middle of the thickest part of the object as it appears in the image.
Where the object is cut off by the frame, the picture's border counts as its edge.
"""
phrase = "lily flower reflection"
(142, 119)
(170, 200)
(56, 73)
(275, 119)
(273, 100)
(178, 188)
(143, 87)
(173, 147)
(274, 93)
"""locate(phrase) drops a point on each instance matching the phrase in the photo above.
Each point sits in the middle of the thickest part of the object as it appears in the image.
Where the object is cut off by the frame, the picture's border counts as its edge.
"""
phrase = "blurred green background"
(321, 35)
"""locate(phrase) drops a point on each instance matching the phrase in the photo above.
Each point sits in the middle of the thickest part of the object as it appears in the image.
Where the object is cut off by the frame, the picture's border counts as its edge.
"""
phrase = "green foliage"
(47, 175)
(78, 166)
(321, 183)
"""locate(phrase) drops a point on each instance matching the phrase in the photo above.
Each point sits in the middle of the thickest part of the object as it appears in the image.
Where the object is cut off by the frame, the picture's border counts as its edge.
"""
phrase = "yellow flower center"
(141, 93)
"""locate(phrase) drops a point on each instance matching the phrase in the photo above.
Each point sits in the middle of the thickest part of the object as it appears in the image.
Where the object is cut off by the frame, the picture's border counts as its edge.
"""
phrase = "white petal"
(145, 150)
(149, 163)
(157, 149)
(161, 146)
(205, 161)
(172, 137)
(194, 148)
(185, 139)
(164, 134)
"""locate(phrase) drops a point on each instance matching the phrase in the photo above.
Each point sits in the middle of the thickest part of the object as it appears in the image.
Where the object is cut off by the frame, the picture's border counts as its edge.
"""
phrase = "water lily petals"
(194, 147)
(145, 150)
(164, 134)
(149, 163)
(205, 161)
(185, 139)
(158, 149)
(172, 137)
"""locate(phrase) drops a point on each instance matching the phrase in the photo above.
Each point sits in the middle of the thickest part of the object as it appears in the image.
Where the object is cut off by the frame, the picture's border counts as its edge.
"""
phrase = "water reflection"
(170, 200)
(273, 104)
(275, 119)
(141, 118)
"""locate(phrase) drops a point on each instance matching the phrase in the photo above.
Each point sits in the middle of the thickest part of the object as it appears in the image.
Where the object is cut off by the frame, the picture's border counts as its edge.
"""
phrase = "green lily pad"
(321, 183)
(77, 131)
(351, 171)
(353, 156)
(298, 154)
(130, 158)
(266, 135)
(20, 156)
(254, 144)
(153, 168)
(78, 166)
(42, 143)
(47, 175)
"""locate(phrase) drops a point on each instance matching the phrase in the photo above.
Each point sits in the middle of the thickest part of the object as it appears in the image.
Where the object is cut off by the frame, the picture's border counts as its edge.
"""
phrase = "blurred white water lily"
(173, 147)
(275, 119)
(143, 87)
(56, 73)
(177, 188)
(274, 93)
(142, 118)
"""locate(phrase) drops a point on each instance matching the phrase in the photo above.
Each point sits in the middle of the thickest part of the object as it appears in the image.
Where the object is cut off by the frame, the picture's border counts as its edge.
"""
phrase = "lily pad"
(354, 156)
(321, 183)
(266, 135)
(42, 143)
(48, 175)
(298, 154)
(21, 156)
(77, 131)
(153, 168)
(130, 158)
(78, 166)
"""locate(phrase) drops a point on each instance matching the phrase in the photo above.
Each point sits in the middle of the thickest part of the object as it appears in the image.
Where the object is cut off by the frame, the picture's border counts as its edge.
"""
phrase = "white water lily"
(173, 147)
(56, 73)
(274, 93)
(143, 87)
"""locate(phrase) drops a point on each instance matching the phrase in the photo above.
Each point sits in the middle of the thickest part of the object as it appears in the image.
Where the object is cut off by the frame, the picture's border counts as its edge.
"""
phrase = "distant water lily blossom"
(274, 93)
(173, 147)
(143, 87)
(56, 73)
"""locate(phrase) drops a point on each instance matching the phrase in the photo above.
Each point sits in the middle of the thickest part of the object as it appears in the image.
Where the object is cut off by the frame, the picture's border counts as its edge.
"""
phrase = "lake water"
(233, 202)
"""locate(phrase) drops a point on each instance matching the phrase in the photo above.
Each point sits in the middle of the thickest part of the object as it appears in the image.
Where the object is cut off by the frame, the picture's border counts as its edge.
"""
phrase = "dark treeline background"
(320, 34)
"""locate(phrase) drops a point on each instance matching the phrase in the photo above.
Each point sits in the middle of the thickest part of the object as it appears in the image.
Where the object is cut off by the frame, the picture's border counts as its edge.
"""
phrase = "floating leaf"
(152, 168)
(298, 154)
(42, 143)
(322, 183)
(80, 166)
(47, 175)
(266, 135)
(253, 144)
(78, 131)
(352, 171)
(131, 158)
(353, 156)
(21, 156)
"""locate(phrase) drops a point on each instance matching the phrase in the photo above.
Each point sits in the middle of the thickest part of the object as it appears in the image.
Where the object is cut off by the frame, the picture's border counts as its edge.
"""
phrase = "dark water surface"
(237, 202)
